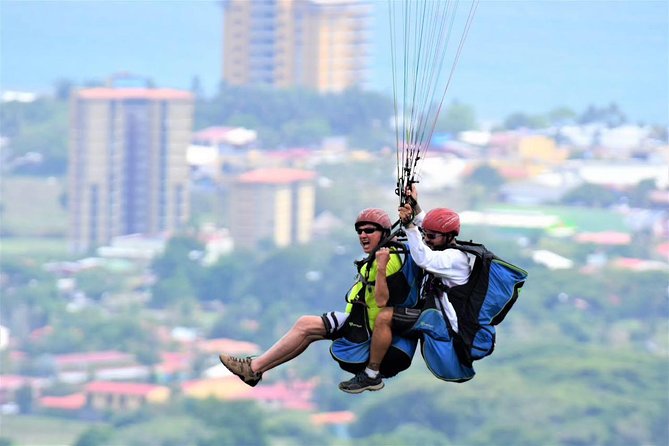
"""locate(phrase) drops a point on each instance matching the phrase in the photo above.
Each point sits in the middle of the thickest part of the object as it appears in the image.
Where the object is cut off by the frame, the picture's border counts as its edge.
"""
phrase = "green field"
(34, 247)
(28, 430)
(32, 207)
(581, 218)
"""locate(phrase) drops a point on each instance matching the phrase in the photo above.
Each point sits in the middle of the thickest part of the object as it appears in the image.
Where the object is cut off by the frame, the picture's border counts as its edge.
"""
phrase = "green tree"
(639, 195)
(95, 436)
(561, 115)
(24, 399)
(610, 115)
(29, 307)
(410, 434)
(98, 281)
(571, 394)
(522, 120)
(457, 117)
(39, 127)
(196, 87)
(63, 89)
(306, 131)
(353, 110)
(482, 185)
(19, 271)
(591, 195)
(486, 176)
(225, 279)
(244, 120)
(298, 116)
(95, 329)
(178, 271)
(234, 423)
(172, 290)
(181, 253)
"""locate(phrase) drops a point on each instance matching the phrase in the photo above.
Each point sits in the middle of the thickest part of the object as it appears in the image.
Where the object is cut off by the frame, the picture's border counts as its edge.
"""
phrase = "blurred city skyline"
(520, 56)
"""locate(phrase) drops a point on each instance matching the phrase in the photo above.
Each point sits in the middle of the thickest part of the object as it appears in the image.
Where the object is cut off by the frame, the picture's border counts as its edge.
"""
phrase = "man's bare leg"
(382, 337)
(306, 330)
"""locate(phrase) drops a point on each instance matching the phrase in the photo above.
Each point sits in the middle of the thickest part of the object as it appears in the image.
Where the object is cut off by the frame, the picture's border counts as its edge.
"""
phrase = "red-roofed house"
(277, 203)
(293, 156)
(123, 94)
(224, 388)
(217, 136)
(337, 422)
(663, 250)
(295, 395)
(173, 365)
(10, 384)
(130, 373)
(89, 361)
(110, 395)
(230, 346)
(67, 403)
(639, 264)
(276, 176)
(40, 333)
(604, 238)
(341, 417)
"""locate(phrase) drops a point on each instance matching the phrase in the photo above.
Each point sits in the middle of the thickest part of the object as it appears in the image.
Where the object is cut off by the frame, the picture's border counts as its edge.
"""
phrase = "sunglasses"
(366, 230)
(431, 235)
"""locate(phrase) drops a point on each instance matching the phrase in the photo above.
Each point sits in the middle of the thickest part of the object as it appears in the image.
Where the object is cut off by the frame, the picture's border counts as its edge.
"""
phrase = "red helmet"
(442, 220)
(374, 216)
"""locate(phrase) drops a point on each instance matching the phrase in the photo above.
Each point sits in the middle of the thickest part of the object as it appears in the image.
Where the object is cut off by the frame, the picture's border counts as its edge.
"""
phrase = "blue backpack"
(480, 304)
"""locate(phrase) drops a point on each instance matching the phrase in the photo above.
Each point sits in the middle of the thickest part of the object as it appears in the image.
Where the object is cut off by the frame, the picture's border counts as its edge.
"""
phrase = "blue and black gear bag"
(437, 344)
(483, 301)
(351, 350)
(480, 304)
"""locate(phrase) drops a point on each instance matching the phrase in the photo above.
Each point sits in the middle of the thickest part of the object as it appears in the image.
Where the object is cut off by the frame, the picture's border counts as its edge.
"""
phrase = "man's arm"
(381, 292)
(385, 279)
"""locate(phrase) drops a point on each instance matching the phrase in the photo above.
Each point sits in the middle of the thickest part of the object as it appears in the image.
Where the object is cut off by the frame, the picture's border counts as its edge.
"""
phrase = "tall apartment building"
(275, 205)
(322, 45)
(127, 163)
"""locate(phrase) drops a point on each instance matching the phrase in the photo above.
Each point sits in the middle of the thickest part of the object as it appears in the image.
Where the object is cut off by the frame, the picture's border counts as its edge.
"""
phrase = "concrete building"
(318, 44)
(272, 205)
(127, 164)
(106, 396)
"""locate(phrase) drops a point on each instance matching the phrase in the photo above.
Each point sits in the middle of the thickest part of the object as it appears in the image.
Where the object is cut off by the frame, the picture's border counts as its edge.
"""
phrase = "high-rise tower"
(273, 205)
(318, 44)
(127, 165)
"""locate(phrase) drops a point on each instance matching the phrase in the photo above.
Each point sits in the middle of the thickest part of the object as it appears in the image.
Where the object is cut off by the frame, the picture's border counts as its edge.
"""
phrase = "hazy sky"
(528, 56)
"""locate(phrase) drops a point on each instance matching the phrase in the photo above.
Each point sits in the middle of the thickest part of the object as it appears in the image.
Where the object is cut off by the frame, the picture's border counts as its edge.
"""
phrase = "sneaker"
(242, 368)
(360, 383)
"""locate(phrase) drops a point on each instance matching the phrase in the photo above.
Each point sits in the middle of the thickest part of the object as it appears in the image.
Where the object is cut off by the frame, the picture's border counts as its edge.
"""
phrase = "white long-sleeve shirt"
(452, 266)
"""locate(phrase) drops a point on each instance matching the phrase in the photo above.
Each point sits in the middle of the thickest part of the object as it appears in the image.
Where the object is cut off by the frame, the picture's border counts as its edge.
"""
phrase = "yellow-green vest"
(369, 276)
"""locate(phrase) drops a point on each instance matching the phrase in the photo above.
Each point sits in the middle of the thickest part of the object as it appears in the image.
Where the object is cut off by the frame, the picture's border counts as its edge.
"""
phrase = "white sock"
(371, 373)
